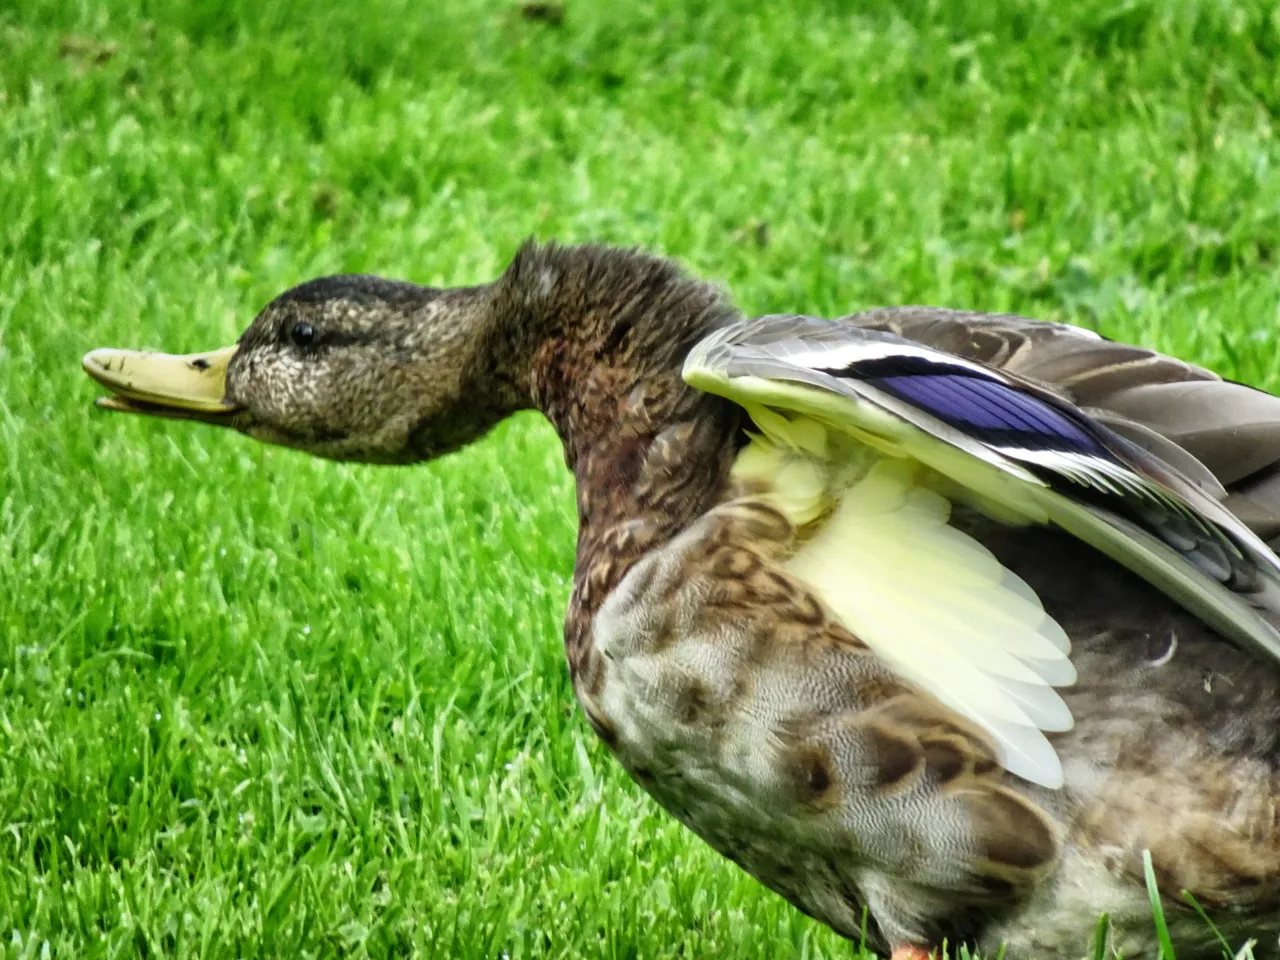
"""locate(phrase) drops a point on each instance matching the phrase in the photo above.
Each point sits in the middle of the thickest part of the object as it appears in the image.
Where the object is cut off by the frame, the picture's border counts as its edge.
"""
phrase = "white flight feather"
(842, 355)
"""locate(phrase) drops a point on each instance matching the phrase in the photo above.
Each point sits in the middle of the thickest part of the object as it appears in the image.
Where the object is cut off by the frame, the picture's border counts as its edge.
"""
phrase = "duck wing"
(1024, 451)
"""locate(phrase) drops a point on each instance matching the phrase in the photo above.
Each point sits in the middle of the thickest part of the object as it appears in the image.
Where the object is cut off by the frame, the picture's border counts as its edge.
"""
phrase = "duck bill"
(188, 387)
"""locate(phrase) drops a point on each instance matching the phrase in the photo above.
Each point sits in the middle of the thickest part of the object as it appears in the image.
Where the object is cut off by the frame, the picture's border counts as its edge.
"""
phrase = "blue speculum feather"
(983, 407)
(997, 413)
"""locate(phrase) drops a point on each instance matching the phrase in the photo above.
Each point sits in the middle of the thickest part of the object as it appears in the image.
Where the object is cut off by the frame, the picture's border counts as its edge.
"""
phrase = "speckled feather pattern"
(777, 736)
(772, 733)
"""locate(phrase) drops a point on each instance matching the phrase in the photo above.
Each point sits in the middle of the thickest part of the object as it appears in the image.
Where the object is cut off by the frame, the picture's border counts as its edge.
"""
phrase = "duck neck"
(602, 335)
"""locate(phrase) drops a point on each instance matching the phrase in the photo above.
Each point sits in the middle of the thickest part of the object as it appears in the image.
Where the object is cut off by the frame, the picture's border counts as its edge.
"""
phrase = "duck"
(949, 627)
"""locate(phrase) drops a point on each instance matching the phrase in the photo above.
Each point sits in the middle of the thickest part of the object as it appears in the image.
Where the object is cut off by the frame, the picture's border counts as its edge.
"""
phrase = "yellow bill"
(192, 386)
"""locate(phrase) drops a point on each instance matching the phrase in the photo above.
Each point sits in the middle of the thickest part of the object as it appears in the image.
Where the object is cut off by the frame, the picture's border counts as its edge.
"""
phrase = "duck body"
(729, 691)
(932, 622)
(710, 718)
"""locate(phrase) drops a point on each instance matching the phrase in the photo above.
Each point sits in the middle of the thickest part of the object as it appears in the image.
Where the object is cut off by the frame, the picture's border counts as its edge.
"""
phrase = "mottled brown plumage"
(725, 685)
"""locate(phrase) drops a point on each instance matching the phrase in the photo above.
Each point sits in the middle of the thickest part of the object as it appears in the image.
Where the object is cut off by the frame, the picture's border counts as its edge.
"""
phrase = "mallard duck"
(946, 617)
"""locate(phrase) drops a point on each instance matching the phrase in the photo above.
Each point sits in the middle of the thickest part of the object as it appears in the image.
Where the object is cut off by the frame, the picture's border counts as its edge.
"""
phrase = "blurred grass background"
(256, 705)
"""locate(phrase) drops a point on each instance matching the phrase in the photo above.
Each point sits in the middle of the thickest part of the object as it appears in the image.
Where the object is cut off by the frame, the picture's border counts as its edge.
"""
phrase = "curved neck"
(598, 336)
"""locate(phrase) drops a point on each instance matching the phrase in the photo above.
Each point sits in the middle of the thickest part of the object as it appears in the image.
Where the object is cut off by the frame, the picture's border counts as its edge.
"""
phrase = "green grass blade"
(1227, 952)
(1100, 934)
(1157, 908)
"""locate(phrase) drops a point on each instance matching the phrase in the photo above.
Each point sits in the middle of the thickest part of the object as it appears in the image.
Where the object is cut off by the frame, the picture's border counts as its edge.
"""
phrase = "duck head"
(347, 367)
(367, 369)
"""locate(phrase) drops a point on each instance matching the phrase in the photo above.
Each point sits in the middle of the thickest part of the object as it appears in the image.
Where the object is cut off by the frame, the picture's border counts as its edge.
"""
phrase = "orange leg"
(913, 952)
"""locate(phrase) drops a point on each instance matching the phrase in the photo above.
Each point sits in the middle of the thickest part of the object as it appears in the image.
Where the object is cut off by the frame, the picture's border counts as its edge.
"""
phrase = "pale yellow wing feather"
(933, 602)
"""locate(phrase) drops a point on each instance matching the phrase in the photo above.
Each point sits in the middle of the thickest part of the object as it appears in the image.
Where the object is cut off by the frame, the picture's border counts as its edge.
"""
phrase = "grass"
(255, 705)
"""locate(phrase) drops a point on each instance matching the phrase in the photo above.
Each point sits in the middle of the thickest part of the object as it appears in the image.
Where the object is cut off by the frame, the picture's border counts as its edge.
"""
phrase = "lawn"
(256, 705)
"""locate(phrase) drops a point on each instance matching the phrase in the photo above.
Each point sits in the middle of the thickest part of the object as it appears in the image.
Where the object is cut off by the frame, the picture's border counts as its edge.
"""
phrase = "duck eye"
(303, 333)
